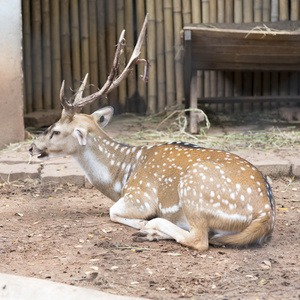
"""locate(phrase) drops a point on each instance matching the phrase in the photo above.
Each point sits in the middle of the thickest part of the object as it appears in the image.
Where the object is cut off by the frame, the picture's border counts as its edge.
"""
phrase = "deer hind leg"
(159, 228)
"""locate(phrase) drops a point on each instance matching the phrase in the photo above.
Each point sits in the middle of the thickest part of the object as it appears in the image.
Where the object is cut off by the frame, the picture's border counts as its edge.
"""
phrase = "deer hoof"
(140, 234)
(149, 235)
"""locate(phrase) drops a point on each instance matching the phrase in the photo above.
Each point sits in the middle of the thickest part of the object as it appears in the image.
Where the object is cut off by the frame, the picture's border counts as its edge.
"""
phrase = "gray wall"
(11, 73)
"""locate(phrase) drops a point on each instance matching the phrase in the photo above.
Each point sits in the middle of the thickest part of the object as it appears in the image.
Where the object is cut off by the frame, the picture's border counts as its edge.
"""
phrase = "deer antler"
(112, 81)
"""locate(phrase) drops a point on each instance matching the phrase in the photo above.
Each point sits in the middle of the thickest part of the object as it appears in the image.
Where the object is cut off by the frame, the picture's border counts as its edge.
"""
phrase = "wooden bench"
(238, 49)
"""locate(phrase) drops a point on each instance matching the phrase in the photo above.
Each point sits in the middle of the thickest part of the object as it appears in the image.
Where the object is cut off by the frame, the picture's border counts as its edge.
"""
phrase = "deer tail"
(257, 232)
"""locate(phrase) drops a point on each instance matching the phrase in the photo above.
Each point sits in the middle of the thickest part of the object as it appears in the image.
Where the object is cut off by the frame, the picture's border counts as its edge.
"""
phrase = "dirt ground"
(64, 234)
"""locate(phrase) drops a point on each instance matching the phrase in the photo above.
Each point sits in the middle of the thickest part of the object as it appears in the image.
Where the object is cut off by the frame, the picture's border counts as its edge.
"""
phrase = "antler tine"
(62, 91)
(104, 90)
(78, 94)
(112, 82)
(134, 57)
(137, 48)
(64, 102)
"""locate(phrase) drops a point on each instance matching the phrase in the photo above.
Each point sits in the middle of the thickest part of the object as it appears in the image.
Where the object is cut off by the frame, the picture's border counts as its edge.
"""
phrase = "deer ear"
(81, 135)
(103, 115)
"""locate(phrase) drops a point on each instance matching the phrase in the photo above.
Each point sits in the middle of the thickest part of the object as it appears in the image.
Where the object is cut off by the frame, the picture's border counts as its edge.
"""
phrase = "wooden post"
(187, 19)
(129, 27)
(186, 12)
(169, 51)
(101, 13)
(266, 10)
(161, 78)
(229, 77)
(196, 19)
(229, 11)
(295, 5)
(46, 55)
(84, 44)
(274, 11)
(65, 46)
(266, 87)
(141, 85)
(37, 78)
(27, 55)
(238, 76)
(213, 74)
(213, 11)
(257, 76)
(93, 51)
(274, 75)
(120, 27)
(194, 104)
(206, 74)
(178, 64)
(294, 76)
(111, 47)
(196, 12)
(284, 76)
(75, 43)
(238, 11)
(247, 76)
(56, 56)
(258, 10)
(221, 74)
(283, 10)
(151, 47)
(248, 11)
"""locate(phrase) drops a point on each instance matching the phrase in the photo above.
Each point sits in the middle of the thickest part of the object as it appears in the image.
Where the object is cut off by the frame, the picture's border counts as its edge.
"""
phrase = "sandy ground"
(64, 234)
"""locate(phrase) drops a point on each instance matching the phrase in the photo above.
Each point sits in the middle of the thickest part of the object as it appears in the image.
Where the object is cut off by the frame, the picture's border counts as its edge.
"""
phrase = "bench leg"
(193, 104)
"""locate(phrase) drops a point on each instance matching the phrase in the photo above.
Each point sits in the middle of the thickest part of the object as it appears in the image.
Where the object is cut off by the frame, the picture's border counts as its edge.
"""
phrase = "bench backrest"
(241, 50)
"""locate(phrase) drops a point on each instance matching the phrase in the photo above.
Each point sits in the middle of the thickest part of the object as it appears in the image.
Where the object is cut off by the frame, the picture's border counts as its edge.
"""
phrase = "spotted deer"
(178, 191)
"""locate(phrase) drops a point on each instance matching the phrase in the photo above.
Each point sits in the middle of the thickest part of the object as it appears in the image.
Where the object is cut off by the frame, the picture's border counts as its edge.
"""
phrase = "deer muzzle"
(34, 150)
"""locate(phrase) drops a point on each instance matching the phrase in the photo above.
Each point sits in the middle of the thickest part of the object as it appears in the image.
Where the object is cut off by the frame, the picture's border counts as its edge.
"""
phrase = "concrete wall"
(11, 73)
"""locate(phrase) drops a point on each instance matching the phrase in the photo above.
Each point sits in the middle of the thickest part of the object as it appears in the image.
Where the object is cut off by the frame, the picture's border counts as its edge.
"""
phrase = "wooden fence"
(65, 39)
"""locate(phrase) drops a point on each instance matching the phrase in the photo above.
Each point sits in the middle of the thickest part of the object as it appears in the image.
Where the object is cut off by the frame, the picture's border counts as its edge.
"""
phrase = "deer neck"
(107, 164)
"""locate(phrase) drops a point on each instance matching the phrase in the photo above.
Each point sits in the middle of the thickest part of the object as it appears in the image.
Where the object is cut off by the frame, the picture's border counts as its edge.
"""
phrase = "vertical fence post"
(27, 55)
(161, 72)
(141, 85)
(169, 53)
(151, 46)
(37, 63)
(56, 56)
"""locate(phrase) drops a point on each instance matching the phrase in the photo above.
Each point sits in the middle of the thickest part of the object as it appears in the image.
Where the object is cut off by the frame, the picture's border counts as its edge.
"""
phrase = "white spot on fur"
(249, 207)
(221, 214)
(117, 187)
(172, 209)
(138, 154)
(147, 206)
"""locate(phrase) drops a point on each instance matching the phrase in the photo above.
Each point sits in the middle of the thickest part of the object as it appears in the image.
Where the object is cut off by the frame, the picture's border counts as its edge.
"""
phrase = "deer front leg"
(134, 213)
(131, 212)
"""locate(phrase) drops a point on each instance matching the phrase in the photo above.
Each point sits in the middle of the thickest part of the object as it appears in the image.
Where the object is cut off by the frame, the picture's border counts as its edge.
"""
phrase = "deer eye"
(54, 132)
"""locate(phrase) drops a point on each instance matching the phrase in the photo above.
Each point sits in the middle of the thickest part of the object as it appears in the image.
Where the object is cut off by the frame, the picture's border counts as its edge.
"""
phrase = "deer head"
(67, 135)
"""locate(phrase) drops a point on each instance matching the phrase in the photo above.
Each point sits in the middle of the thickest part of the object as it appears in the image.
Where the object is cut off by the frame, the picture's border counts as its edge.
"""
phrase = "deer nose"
(31, 149)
